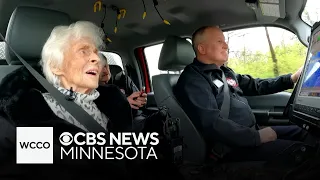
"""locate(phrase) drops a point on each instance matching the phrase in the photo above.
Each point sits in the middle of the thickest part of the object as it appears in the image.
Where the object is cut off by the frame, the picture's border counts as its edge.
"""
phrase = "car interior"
(133, 26)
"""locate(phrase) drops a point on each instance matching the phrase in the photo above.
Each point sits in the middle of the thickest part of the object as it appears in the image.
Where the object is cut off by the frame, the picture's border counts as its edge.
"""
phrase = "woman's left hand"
(137, 100)
(142, 99)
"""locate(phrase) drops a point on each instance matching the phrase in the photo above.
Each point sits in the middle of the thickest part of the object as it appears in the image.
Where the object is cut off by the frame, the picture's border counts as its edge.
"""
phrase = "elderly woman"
(69, 61)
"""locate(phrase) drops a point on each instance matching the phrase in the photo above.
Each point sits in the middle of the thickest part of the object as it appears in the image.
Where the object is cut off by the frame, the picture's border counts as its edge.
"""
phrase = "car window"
(264, 52)
(311, 13)
(251, 53)
(152, 54)
(113, 58)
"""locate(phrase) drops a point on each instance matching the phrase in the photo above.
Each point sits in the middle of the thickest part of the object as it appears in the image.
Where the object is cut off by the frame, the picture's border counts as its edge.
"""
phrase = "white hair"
(53, 50)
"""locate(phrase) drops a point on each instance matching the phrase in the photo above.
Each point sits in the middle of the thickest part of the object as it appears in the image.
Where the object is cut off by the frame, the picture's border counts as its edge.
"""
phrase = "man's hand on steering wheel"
(295, 78)
(296, 75)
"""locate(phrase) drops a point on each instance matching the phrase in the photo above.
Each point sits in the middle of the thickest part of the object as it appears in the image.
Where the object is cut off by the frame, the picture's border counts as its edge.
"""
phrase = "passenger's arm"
(253, 87)
(199, 102)
(132, 87)
(137, 99)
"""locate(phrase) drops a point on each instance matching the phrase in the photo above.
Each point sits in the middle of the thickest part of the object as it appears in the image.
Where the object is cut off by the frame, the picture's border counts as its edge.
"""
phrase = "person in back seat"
(70, 62)
(200, 92)
(136, 98)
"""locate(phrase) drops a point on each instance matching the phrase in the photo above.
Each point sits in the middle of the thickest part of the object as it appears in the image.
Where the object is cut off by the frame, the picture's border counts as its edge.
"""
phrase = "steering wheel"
(288, 107)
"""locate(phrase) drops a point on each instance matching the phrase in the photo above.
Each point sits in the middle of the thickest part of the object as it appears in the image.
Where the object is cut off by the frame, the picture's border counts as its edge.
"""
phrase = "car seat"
(28, 30)
(175, 54)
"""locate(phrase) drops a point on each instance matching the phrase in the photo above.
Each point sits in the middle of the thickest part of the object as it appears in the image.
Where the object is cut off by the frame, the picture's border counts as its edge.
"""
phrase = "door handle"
(267, 113)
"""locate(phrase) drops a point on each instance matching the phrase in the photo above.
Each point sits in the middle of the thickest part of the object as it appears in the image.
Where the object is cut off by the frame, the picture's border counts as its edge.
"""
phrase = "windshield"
(311, 13)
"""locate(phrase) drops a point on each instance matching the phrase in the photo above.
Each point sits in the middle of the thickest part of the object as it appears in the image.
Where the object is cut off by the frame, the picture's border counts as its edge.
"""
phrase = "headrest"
(28, 30)
(115, 69)
(175, 54)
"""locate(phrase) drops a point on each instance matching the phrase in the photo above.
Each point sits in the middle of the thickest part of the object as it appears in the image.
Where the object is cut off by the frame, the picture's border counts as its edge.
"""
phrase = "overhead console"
(306, 106)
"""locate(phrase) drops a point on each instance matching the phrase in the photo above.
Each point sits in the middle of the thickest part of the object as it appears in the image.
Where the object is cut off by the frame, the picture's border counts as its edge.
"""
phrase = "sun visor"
(268, 10)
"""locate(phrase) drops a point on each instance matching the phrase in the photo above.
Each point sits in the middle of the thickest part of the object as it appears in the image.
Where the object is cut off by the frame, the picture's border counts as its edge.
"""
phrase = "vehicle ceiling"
(184, 15)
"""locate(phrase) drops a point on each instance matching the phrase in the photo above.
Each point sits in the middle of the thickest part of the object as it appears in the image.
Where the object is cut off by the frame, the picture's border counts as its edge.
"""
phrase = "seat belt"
(218, 149)
(129, 82)
(225, 107)
(76, 111)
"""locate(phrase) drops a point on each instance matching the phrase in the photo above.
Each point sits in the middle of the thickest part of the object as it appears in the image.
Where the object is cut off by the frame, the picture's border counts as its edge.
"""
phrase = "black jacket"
(22, 104)
(201, 99)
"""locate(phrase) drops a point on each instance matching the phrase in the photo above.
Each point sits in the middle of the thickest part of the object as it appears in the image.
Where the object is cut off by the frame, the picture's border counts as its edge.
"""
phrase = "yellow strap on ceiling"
(155, 4)
(145, 10)
(97, 6)
(121, 13)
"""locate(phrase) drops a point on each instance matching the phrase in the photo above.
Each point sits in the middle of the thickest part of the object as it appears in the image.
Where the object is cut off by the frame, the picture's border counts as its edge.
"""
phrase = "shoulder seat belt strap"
(225, 107)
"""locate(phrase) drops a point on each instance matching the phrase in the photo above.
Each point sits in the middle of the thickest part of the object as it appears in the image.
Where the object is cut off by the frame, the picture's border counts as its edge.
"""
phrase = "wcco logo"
(34, 145)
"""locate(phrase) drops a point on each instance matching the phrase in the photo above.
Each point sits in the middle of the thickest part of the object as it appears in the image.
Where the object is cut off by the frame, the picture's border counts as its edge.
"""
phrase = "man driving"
(200, 92)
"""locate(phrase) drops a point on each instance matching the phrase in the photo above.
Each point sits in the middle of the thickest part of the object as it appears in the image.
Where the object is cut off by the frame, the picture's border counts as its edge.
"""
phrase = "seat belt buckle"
(176, 145)
(218, 151)
(172, 134)
(215, 156)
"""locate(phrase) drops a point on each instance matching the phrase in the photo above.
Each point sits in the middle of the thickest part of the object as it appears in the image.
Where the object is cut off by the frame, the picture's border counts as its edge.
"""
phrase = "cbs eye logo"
(66, 138)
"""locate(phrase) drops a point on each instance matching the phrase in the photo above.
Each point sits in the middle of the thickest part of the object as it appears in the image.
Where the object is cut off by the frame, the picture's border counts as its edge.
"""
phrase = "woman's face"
(105, 74)
(81, 66)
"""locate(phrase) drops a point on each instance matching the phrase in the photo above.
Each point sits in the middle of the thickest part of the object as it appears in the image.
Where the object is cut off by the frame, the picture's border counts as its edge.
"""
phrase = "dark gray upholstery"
(28, 30)
(177, 58)
(5, 70)
(175, 54)
(114, 70)
(3, 62)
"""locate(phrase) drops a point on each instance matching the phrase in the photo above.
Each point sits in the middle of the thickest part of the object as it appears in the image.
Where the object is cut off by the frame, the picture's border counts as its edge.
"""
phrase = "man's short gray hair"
(58, 41)
(197, 36)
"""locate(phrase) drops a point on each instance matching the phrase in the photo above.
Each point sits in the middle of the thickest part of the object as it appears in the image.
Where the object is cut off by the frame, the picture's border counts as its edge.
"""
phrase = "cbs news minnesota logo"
(35, 145)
